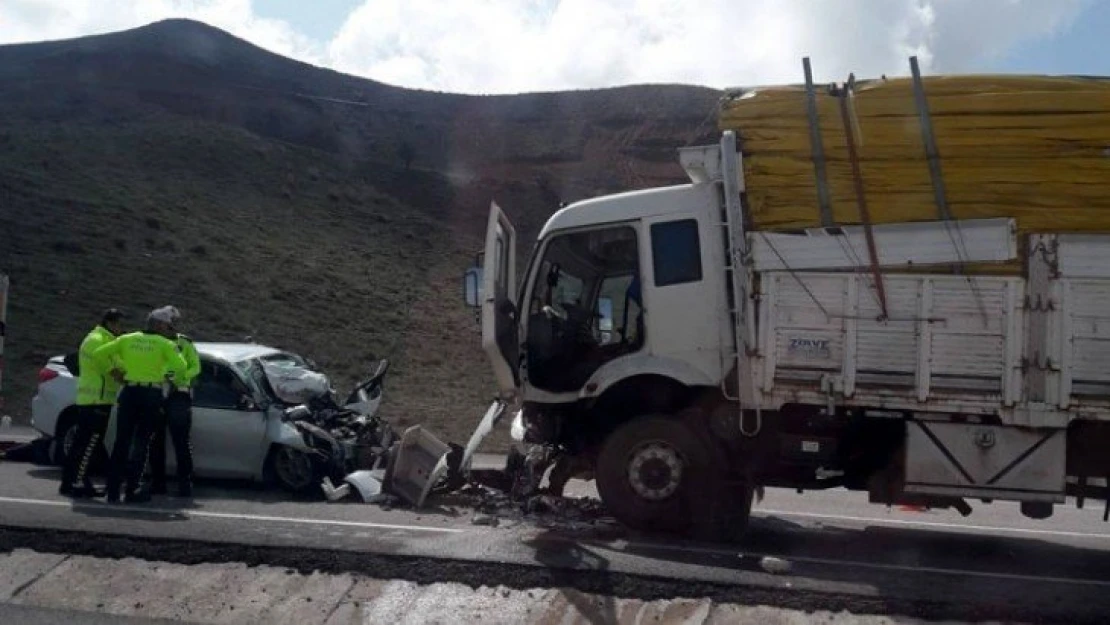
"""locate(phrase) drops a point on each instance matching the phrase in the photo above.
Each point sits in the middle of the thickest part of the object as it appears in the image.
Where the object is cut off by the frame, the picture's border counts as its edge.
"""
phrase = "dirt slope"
(176, 163)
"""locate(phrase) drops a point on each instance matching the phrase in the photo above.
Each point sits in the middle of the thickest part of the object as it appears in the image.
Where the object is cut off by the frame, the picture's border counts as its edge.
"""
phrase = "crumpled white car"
(238, 430)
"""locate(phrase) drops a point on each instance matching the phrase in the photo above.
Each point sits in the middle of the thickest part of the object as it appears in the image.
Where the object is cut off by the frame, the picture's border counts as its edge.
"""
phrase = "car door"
(227, 433)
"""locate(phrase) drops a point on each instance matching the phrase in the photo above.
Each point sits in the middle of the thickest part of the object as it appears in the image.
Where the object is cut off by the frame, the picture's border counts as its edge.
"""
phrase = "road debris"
(485, 519)
(368, 483)
(420, 462)
(334, 493)
(775, 566)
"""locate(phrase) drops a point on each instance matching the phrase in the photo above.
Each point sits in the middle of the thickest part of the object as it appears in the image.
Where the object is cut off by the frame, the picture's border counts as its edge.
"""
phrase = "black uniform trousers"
(139, 411)
(92, 423)
(177, 417)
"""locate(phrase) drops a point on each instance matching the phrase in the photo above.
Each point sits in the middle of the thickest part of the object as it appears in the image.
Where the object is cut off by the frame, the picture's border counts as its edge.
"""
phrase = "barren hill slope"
(296, 205)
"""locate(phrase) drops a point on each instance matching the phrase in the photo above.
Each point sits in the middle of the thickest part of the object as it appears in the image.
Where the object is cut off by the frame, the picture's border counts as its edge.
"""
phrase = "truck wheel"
(651, 473)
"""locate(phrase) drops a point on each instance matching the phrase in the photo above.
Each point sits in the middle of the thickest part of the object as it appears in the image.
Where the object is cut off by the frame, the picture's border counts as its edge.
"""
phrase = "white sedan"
(238, 430)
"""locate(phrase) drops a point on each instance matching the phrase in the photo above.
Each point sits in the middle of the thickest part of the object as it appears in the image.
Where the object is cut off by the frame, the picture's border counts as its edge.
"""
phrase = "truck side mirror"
(472, 287)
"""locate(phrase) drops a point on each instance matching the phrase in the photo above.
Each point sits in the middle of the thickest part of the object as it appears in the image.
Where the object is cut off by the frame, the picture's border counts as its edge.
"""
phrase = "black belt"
(144, 384)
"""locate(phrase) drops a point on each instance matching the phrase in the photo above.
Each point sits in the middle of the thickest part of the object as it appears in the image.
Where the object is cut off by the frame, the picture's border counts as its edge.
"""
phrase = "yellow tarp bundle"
(1033, 148)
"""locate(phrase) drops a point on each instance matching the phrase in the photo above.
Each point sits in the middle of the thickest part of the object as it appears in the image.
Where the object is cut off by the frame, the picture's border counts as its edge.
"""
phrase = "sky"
(511, 46)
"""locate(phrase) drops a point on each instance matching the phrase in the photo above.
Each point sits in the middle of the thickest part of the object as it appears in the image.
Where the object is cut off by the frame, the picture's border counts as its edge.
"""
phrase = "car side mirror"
(246, 404)
(472, 287)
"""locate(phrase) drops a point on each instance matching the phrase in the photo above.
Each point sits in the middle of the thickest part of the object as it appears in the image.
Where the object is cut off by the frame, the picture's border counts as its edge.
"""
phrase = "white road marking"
(934, 524)
(857, 563)
(229, 515)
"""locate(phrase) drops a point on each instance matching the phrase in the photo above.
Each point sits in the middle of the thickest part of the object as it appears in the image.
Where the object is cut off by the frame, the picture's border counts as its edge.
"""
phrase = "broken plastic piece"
(333, 493)
(365, 481)
(490, 419)
(420, 461)
(517, 429)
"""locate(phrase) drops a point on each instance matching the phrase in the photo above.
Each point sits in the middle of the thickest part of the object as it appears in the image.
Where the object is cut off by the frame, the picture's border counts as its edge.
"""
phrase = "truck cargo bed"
(1032, 350)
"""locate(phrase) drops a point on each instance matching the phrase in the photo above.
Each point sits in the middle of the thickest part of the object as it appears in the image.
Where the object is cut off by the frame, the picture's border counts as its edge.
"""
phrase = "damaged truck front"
(657, 344)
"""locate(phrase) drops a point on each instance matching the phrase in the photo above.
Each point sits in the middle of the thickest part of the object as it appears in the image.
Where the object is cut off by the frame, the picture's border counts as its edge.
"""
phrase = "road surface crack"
(342, 599)
(30, 582)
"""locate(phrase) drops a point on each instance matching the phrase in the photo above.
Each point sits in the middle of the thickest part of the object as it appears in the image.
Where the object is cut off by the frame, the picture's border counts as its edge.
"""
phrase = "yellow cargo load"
(1029, 147)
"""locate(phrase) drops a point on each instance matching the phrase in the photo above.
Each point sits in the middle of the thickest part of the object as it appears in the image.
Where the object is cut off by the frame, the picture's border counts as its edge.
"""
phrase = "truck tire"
(654, 474)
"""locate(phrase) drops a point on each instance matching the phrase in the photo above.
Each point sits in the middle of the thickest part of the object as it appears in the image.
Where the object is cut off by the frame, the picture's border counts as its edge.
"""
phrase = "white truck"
(684, 361)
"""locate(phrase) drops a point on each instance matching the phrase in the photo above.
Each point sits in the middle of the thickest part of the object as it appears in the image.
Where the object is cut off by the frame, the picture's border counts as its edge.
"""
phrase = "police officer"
(148, 359)
(96, 393)
(177, 417)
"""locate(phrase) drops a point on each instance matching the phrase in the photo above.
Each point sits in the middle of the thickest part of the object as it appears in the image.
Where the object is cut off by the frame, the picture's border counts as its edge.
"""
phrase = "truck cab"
(621, 313)
(578, 323)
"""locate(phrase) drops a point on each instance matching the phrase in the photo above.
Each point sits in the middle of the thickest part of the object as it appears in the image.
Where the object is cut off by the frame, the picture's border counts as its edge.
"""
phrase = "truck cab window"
(676, 252)
(579, 317)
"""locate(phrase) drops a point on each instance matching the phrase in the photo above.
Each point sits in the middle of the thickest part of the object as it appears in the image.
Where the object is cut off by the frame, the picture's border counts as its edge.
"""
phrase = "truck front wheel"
(655, 474)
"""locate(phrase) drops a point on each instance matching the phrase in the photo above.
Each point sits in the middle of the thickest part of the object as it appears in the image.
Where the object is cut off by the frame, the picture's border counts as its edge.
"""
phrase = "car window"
(218, 387)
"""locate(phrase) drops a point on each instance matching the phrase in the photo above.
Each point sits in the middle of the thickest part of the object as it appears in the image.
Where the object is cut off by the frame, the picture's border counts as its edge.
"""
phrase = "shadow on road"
(917, 572)
(130, 512)
(561, 556)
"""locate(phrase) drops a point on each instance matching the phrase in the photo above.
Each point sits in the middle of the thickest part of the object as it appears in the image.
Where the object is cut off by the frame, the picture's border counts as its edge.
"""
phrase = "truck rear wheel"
(655, 474)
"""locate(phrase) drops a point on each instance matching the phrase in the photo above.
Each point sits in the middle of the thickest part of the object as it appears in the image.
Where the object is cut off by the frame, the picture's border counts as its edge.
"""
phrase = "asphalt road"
(842, 552)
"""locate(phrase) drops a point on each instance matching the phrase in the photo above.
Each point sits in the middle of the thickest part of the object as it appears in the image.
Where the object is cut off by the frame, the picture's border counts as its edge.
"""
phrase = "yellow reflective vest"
(146, 358)
(192, 362)
(95, 385)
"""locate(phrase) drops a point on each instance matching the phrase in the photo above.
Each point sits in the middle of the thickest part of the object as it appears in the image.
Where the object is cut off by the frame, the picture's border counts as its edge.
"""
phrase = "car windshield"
(252, 372)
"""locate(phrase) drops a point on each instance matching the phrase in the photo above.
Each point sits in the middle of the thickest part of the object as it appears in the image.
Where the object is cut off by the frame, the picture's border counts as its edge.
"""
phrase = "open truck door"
(491, 287)
(497, 300)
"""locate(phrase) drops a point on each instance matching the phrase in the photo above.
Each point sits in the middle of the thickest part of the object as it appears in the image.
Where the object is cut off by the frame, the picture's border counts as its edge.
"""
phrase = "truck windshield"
(578, 311)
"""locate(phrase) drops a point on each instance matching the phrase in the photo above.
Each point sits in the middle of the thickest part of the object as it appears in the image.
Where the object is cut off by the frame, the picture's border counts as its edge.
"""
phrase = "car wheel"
(296, 471)
(64, 436)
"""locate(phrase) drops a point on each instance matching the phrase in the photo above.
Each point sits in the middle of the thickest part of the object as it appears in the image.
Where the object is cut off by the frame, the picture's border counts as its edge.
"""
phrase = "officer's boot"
(136, 495)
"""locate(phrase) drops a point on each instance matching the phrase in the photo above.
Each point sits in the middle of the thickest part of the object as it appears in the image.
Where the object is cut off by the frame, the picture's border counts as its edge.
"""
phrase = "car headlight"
(296, 413)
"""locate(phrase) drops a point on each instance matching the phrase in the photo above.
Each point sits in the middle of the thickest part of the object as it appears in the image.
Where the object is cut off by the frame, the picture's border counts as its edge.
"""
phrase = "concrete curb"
(224, 593)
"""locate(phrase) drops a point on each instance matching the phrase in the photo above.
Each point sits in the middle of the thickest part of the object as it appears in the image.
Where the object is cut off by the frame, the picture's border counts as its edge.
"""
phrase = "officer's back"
(145, 357)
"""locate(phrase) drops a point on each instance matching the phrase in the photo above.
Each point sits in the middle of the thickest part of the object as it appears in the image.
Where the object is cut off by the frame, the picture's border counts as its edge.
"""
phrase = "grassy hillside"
(304, 208)
(248, 237)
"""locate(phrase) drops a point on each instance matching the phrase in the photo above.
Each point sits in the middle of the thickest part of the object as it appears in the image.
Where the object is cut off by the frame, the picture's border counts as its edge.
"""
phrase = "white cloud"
(498, 46)
(510, 45)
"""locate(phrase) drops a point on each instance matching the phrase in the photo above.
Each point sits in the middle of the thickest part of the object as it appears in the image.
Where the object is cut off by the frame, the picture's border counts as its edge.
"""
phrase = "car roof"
(235, 352)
